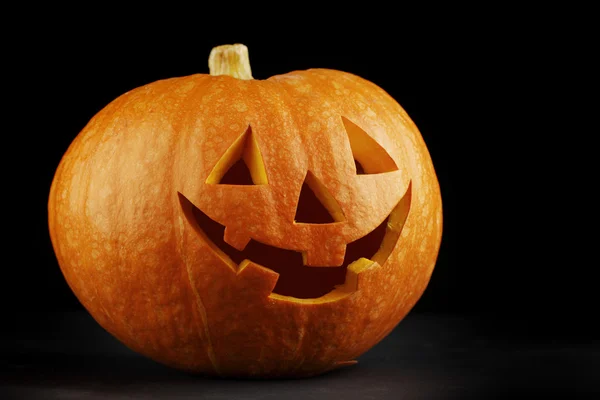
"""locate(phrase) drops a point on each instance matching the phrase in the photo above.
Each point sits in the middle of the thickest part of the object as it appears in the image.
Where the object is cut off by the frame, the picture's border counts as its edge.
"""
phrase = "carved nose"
(315, 204)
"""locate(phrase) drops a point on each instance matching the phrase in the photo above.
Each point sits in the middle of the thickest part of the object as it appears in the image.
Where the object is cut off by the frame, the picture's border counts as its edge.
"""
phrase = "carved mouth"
(296, 279)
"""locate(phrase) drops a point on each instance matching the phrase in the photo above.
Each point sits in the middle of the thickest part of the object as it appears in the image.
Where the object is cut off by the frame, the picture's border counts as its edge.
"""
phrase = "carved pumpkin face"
(248, 228)
(290, 220)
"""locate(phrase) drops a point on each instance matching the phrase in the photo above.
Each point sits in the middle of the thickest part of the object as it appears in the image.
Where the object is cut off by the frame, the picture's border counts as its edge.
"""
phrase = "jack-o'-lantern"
(238, 227)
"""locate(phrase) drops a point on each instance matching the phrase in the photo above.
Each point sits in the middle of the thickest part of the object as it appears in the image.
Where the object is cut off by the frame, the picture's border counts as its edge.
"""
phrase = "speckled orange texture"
(145, 274)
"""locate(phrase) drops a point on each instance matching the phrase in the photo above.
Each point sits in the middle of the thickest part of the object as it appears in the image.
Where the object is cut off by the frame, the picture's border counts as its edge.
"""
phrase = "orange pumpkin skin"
(150, 278)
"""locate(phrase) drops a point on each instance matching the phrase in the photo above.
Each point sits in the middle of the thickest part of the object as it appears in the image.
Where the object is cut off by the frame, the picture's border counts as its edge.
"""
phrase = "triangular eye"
(369, 156)
(237, 174)
(315, 204)
(242, 163)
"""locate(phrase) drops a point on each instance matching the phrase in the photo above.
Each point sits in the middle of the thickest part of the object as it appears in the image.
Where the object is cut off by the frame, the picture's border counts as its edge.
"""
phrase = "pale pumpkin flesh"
(151, 278)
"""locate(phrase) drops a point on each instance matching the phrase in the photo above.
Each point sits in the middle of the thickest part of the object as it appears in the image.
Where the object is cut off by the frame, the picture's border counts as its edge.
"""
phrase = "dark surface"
(69, 356)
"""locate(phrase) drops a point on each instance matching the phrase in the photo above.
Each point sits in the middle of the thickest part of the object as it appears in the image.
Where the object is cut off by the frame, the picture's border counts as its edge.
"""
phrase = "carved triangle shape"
(242, 163)
(369, 156)
(315, 204)
(237, 174)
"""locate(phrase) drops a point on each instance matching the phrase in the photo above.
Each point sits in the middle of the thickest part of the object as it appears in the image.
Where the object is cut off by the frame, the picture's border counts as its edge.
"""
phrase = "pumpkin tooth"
(236, 239)
(262, 279)
(329, 256)
(354, 271)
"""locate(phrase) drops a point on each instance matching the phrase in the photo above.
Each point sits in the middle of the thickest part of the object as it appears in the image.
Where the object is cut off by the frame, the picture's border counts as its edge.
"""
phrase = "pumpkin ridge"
(203, 315)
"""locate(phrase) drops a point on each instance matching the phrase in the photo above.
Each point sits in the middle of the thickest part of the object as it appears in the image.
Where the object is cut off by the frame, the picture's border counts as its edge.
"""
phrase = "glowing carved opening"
(242, 163)
(369, 156)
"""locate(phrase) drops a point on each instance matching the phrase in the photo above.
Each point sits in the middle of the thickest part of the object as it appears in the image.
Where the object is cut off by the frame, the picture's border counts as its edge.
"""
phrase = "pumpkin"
(236, 227)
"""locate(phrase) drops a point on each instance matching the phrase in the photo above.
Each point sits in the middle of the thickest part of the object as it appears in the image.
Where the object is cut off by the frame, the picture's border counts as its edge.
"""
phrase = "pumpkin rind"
(140, 268)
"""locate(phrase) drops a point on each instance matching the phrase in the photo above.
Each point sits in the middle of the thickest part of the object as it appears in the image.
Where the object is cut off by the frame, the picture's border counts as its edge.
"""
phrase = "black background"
(474, 91)
(483, 90)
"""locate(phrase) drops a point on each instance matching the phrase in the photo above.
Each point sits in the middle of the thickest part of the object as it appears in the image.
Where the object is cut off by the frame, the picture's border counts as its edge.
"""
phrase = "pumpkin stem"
(230, 59)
